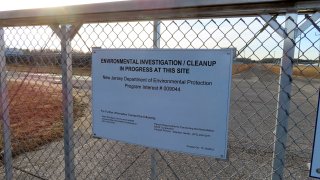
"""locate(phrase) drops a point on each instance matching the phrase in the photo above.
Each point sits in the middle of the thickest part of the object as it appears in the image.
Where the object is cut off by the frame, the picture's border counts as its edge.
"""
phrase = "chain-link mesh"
(34, 59)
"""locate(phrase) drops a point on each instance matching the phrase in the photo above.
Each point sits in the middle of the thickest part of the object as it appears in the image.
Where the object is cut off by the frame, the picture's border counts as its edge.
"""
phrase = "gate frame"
(156, 11)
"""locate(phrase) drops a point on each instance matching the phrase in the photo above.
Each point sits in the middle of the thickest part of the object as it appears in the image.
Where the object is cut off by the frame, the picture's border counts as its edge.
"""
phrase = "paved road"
(251, 137)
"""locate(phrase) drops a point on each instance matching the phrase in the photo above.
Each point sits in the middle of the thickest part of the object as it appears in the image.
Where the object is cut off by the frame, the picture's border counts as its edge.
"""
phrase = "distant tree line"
(296, 61)
(244, 60)
(48, 57)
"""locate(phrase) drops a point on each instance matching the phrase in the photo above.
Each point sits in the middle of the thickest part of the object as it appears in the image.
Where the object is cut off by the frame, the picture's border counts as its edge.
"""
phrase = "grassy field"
(35, 115)
(238, 68)
(299, 70)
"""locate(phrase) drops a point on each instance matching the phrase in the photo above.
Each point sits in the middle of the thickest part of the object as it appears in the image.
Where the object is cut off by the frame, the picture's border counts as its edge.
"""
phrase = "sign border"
(314, 138)
(232, 52)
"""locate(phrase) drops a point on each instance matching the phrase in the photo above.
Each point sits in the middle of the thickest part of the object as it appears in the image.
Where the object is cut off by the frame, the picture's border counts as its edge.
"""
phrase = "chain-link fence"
(46, 99)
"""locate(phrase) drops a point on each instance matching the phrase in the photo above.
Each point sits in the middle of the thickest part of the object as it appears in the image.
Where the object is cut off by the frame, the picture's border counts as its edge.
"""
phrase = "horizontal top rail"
(151, 10)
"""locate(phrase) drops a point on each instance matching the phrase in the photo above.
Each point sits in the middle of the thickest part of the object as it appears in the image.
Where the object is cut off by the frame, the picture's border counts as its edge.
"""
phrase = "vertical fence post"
(153, 175)
(5, 110)
(67, 102)
(156, 44)
(283, 106)
(156, 34)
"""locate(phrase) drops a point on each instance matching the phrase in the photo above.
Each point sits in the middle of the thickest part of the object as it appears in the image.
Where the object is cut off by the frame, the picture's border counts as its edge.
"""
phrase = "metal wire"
(34, 59)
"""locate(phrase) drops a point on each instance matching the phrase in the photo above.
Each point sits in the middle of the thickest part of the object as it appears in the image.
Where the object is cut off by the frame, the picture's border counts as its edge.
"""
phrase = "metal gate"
(46, 90)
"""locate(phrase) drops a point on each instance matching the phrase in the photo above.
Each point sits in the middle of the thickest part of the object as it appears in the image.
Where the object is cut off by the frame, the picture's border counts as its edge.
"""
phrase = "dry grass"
(35, 115)
(304, 71)
(238, 68)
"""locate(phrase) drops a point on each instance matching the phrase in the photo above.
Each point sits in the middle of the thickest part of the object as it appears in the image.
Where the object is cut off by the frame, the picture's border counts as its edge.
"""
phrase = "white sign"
(315, 164)
(169, 99)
